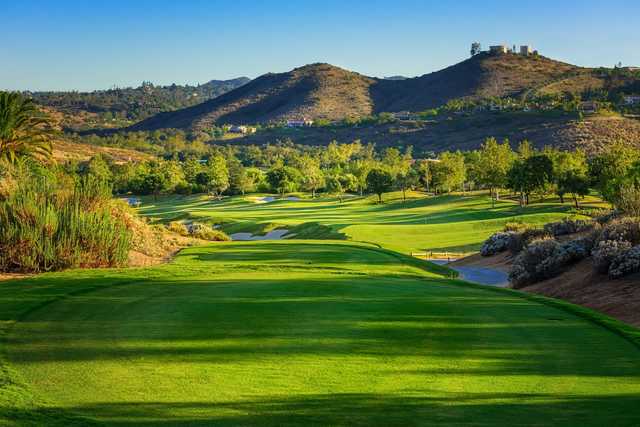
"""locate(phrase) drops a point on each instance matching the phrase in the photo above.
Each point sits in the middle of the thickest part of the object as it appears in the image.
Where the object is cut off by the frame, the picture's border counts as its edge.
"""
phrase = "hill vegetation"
(592, 134)
(319, 91)
(122, 106)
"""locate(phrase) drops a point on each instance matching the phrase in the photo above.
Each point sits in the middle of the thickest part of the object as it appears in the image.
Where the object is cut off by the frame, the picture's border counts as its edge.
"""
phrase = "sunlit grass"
(457, 223)
(302, 333)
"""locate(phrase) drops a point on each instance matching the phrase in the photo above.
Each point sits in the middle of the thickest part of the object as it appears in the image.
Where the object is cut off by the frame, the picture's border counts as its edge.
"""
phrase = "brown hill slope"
(64, 151)
(480, 76)
(592, 134)
(318, 91)
(322, 91)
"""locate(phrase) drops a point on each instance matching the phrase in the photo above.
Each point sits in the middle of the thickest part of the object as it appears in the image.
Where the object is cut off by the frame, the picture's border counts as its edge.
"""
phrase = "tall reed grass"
(46, 226)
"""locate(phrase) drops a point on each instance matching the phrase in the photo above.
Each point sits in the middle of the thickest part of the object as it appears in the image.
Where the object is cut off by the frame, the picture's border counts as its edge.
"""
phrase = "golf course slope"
(304, 333)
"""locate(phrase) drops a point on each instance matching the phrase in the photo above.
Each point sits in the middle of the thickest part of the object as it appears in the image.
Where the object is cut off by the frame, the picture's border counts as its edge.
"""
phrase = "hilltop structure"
(502, 49)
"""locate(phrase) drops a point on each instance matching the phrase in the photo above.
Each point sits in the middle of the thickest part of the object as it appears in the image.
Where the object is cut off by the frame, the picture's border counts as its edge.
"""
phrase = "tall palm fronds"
(23, 131)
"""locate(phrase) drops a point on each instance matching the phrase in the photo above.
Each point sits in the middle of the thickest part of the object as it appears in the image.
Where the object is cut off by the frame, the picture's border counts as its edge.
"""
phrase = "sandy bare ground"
(277, 234)
(580, 285)
(10, 276)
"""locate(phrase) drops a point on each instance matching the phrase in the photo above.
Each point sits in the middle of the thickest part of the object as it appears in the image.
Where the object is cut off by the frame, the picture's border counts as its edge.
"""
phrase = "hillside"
(64, 151)
(322, 91)
(122, 106)
(563, 131)
(318, 91)
(480, 76)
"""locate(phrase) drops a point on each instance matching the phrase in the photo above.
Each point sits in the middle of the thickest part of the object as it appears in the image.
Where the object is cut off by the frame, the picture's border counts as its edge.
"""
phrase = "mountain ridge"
(322, 91)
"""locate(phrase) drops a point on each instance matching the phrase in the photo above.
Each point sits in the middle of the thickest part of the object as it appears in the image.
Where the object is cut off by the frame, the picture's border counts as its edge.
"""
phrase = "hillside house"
(242, 129)
(631, 99)
(404, 115)
(499, 49)
(299, 123)
(589, 107)
(526, 50)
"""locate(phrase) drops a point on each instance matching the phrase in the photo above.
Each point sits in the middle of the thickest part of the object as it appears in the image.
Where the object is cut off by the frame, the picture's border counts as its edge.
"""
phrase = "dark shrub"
(568, 226)
(520, 240)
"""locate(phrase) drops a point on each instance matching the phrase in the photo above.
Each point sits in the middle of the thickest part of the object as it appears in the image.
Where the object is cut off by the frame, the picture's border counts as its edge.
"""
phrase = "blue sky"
(54, 45)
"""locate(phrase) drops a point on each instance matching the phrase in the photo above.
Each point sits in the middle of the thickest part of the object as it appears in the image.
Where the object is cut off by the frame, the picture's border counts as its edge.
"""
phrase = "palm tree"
(23, 131)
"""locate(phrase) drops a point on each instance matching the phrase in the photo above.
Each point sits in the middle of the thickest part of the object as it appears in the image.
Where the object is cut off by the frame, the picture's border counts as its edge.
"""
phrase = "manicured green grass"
(446, 223)
(302, 333)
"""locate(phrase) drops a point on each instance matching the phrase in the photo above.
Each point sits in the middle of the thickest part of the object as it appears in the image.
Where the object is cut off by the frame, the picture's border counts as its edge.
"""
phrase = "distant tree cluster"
(135, 104)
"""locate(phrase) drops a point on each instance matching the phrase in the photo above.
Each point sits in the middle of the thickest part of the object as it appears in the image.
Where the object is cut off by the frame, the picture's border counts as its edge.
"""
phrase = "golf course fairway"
(303, 333)
(454, 223)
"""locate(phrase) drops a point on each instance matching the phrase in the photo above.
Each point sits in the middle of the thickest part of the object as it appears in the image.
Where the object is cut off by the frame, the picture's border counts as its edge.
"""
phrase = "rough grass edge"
(628, 332)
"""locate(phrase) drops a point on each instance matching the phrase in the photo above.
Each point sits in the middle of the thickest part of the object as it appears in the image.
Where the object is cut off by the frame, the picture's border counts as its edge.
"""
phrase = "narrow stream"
(481, 275)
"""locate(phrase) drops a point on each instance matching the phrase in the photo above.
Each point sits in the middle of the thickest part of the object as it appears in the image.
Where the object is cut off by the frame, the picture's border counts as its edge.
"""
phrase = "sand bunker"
(277, 234)
(269, 199)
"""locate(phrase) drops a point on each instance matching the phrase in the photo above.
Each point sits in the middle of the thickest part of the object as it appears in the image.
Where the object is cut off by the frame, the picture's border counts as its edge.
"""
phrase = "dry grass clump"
(205, 232)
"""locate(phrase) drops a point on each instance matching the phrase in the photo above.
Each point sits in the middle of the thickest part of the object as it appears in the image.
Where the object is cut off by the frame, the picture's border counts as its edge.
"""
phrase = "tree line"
(359, 168)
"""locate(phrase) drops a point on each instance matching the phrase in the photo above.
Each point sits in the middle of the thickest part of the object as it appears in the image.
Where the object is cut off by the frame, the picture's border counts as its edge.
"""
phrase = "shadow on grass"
(362, 409)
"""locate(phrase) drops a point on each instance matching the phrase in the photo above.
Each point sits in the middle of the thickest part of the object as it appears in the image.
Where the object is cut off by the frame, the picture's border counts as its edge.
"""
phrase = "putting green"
(457, 223)
(302, 333)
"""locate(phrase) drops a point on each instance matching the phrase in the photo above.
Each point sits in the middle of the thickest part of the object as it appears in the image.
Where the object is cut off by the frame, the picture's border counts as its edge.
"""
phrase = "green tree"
(334, 186)
(239, 181)
(191, 168)
(379, 181)
(529, 175)
(406, 180)
(494, 163)
(218, 175)
(312, 178)
(360, 169)
(575, 183)
(569, 168)
(154, 183)
(283, 179)
(23, 131)
(449, 173)
(608, 168)
(424, 170)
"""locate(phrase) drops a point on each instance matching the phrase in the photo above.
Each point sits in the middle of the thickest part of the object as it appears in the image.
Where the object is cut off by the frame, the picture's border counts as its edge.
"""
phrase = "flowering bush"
(622, 229)
(605, 251)
(498, 242)
(626, 263)
(545, 258)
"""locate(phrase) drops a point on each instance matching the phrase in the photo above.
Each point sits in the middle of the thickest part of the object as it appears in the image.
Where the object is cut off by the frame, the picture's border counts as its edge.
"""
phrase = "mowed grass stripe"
(304, 332)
